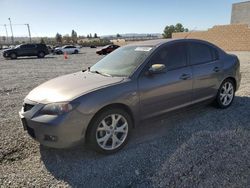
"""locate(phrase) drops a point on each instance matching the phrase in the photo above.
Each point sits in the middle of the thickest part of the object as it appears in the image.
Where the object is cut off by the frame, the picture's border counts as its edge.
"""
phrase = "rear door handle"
(216, 69)
(185, 76)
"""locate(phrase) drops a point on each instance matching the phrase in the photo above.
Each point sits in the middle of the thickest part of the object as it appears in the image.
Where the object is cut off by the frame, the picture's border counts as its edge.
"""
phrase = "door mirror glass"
(157, 68)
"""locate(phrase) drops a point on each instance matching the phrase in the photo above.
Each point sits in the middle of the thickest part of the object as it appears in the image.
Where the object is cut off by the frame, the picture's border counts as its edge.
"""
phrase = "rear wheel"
(41, 55)
(225, 95)
(13, 56)
(76, 52)
(109, 131)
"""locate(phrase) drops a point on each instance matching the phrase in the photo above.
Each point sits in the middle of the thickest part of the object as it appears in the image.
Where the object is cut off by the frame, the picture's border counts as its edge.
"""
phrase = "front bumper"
(54, 131)
(5, 55)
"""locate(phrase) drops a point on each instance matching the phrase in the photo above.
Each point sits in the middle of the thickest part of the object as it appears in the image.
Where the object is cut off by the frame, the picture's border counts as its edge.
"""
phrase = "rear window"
(201, 53)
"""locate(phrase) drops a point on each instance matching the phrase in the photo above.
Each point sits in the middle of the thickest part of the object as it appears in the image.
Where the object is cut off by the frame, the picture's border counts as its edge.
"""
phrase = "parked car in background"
(92, 46)
(39, 50)
(5, 47)
(107, 49)
(70, 49)
(50, 49)
(102, 104)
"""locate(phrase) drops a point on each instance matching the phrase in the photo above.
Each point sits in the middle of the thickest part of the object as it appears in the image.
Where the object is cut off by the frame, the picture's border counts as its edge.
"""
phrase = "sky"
(47, 17)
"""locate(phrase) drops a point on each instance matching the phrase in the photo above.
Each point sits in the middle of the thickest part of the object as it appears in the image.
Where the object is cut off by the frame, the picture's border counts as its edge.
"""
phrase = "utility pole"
(6, 33)
(12, 37)
(28, 26)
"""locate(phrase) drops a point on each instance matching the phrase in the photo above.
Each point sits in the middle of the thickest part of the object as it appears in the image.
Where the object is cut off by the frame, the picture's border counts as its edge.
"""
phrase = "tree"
(118, 35)
(74, 36)
(90, 35)
(4, 38)
(179, 28)
(169, 30)
(42, 41)
(67, 38)
(58, 38)
(95, 35)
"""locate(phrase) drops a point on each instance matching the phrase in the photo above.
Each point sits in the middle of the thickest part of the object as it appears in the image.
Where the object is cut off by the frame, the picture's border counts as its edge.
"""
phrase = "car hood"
(8, 50)
(69, 87)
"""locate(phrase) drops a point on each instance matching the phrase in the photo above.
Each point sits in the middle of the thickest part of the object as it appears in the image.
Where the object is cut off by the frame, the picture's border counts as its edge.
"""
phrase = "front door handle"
(185, 76)
(216, 69)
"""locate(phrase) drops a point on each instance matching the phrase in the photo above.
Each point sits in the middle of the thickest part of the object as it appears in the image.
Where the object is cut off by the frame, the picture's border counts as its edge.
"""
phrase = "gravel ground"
(197, 147)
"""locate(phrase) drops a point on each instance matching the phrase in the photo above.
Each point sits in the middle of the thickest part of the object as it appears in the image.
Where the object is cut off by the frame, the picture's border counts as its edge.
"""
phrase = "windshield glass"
(105, 46)
(18, 46)
(123, 61)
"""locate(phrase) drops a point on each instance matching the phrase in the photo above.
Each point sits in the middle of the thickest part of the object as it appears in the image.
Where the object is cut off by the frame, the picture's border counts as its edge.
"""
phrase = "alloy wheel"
(226, 93)
(112, 131)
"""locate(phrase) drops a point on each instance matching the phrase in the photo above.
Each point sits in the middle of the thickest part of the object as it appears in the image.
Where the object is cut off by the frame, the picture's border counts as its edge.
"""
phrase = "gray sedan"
(101, 105)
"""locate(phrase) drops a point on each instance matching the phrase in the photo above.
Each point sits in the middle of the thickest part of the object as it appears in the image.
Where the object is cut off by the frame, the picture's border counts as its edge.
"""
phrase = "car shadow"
(26, 58)
(151, 144)
(69, 54)
(22, 58)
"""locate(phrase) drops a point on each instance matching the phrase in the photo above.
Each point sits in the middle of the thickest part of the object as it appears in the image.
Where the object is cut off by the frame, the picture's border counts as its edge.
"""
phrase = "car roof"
(150, 42)
(159, 42)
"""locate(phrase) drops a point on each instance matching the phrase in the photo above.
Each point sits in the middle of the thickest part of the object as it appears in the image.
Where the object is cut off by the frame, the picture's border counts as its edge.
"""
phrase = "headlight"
(57, 108)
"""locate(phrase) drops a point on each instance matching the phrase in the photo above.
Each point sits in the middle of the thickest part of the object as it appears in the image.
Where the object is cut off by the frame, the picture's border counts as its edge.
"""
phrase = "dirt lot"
(202, 146)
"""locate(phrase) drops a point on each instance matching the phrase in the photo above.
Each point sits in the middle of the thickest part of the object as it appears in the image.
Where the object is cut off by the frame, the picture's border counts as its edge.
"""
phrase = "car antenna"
(189, 33)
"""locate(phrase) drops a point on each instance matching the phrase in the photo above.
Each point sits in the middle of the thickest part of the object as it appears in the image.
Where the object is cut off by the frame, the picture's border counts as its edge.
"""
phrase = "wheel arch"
(231, 78)
(110, 106)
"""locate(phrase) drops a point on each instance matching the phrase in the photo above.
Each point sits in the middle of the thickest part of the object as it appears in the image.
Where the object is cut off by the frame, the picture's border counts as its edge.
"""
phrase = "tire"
(41, 54)
(108, 137)
(13, 56)
(104, 52)
(226, 93)
(76, 52)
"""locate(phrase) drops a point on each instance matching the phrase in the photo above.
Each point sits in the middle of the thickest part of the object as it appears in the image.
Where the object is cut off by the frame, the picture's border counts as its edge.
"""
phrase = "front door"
(168, 90)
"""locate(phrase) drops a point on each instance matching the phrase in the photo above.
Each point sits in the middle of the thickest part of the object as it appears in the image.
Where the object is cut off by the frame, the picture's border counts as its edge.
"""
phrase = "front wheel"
(225, 95)
(13, 56)
(104, 52)
(109, 131)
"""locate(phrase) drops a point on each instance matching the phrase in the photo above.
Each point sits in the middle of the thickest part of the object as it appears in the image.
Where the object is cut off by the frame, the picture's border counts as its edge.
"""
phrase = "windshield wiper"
(101, 73)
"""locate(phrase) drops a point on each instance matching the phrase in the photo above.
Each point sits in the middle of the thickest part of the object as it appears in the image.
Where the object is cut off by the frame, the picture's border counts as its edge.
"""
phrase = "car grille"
(27, 107)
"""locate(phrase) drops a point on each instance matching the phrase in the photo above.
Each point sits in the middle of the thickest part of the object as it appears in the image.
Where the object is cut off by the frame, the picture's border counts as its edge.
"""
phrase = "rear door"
(206, 70)
(169, 90)
(27, 50)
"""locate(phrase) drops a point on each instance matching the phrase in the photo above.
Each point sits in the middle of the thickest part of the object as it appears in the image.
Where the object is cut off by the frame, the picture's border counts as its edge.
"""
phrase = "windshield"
(122, 62)
(105, 46)
(18, 46)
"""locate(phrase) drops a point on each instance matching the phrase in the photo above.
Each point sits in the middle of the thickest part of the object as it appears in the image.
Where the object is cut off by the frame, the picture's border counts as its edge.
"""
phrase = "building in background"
(232, 37)
(241, 13)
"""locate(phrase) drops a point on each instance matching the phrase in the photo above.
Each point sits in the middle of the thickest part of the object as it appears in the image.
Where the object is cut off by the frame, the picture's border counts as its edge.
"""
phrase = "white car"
(70, 49)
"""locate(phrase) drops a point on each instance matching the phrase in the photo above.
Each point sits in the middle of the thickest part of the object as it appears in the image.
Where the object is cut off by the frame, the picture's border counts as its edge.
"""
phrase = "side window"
(215, 54)
(173, 56)
(28, 46)
(200, 53)
(25, 46)
(32, 46)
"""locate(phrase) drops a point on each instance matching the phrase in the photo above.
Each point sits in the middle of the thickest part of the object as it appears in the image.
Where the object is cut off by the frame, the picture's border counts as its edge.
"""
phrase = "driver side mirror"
(156, 69)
